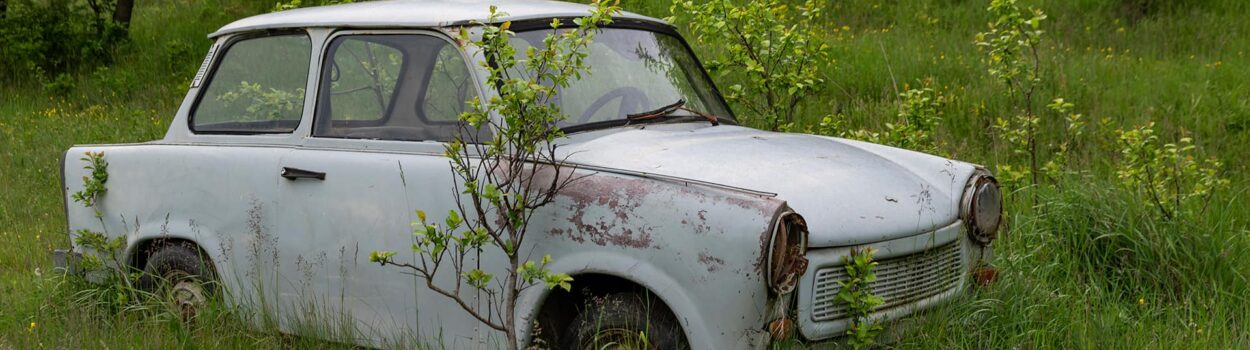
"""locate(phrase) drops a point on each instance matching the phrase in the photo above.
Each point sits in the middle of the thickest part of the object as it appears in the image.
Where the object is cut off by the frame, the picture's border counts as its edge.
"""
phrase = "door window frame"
(341, 142)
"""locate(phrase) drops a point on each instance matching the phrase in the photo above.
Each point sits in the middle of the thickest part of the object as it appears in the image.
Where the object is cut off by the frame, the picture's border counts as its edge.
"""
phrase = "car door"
(224, 160)
(374, 158)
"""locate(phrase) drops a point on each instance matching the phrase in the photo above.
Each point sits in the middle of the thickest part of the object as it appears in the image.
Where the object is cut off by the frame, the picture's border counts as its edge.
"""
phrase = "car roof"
(411, 14)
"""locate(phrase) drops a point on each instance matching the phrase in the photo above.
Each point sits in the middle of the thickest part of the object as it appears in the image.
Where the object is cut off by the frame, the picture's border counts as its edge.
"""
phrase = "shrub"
(779, 46)
(920, 110)
(1170, 176)
(56, 36)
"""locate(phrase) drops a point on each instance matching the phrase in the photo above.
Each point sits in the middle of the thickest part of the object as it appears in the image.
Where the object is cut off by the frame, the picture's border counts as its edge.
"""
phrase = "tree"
(121, 13)
(503, 180)
(776, 46)
(1011, 48)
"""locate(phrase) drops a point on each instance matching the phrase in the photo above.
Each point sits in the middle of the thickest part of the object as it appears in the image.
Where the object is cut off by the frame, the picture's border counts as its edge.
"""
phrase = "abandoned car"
(310, 137)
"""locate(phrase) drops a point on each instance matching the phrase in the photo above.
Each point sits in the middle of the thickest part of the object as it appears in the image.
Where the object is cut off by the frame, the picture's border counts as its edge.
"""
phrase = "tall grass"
(1089, 266)
(1093, 268)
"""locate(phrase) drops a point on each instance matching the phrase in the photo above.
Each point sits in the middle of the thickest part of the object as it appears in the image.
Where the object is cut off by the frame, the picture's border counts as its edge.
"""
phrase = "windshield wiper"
(658, 112)
(669, 109)
(647, 116)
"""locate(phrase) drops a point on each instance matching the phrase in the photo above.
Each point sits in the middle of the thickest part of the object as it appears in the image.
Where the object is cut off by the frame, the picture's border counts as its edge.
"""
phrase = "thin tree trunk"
(510, 296)
(121, 14)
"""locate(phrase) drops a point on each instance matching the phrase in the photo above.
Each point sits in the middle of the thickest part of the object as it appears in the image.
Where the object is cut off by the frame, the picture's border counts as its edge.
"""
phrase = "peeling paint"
(713, 263)
(607, 210)
(621, 197)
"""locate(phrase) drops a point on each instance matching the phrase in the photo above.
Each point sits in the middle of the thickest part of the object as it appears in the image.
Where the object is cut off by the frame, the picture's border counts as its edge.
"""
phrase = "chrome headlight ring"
(982, 208)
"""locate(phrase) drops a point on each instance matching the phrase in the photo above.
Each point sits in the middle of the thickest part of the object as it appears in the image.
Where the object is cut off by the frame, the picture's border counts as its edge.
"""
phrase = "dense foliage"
(49, 38)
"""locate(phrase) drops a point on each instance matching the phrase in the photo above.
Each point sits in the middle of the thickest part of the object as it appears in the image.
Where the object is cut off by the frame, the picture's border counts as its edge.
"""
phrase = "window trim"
(317, 101)
(211, 75)
(422, 113)
(322, 78)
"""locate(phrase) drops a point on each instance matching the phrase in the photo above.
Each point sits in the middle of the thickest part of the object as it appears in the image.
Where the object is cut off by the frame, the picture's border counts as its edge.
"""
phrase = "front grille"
(900, 280)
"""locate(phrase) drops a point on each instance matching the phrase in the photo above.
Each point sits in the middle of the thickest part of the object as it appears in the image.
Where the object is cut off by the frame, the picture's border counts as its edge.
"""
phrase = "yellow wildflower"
(1141, 301)
(32, 327)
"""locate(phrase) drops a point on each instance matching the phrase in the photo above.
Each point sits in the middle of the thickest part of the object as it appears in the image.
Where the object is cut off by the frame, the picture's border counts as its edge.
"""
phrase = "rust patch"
(761, 264)
(620, 197)
(606, 209)
(762, 207)
(985, 276)
(700, 226)
(713, 263)
(628, 239)
(561, 232)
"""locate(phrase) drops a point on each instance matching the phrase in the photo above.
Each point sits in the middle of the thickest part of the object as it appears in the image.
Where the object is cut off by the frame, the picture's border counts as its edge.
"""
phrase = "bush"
(56, 36)
(771, 51)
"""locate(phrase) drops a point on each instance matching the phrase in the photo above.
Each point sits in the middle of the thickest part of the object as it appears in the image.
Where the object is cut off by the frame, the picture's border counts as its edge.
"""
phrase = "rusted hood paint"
(850, 192)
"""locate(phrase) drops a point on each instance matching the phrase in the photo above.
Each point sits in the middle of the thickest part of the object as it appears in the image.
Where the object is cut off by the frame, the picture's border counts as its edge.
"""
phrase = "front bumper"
(914, 273)
(67, 261)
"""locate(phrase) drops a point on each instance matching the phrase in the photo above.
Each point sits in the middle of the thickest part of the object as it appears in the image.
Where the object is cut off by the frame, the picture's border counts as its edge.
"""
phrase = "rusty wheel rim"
(186, 295)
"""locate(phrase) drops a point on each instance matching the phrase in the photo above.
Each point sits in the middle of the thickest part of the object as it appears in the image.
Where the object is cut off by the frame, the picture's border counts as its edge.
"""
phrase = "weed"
(856, 293)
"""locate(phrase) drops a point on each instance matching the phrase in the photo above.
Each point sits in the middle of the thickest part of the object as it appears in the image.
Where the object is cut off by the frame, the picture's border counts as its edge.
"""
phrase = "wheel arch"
(614, 272)
(141, 250)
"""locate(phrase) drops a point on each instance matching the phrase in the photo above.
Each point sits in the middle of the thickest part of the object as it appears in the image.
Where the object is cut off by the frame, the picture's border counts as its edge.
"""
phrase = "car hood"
(849, 192)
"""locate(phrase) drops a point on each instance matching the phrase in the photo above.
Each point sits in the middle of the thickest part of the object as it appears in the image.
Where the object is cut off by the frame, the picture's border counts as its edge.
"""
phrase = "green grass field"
(1089, 265)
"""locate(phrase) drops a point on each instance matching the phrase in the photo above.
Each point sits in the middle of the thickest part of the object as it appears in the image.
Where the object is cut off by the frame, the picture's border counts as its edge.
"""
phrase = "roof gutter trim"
(625, 16)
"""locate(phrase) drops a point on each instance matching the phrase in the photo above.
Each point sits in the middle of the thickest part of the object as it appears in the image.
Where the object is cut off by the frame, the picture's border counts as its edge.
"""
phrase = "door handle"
(296, 173)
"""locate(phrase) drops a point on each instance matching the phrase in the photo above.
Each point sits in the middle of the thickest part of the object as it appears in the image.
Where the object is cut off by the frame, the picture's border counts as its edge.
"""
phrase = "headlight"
(983, 207)
(787, 250)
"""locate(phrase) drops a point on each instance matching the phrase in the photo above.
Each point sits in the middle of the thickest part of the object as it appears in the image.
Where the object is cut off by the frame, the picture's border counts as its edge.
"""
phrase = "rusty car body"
(733, 229)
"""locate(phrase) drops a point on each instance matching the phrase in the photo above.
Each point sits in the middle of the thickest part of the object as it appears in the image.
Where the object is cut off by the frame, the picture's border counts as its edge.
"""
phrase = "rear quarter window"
(257, 87)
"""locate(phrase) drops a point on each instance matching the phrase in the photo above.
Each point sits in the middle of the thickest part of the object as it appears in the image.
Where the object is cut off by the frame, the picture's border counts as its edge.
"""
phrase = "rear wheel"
(624, 321)
(180, 275)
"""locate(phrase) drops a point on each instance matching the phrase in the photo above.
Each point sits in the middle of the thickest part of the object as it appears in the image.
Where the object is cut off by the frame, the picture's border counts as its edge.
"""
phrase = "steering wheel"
(632, 100)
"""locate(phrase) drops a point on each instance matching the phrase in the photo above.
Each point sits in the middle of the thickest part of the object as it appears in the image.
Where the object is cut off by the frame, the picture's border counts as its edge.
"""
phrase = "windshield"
(631, 71)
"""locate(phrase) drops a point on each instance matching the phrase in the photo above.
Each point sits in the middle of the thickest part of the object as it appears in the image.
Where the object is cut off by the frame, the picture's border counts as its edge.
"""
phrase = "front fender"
(698, 248)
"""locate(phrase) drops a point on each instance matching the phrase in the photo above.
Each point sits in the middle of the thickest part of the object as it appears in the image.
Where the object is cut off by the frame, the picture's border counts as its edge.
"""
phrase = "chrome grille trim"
(900, 280)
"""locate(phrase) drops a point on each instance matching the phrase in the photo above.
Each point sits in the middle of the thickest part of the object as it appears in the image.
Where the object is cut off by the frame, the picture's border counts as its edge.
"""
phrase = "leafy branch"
(778, 45)
(506, 165)
(856, 293)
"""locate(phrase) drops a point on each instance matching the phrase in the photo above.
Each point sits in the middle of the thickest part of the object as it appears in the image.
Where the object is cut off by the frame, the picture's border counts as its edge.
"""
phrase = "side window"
(257, 87)
(407, 87)
(450, 85)
(362, 79)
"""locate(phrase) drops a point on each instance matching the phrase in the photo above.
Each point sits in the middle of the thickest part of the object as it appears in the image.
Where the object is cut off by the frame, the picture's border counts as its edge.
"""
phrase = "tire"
(618, 321)
(180, 276)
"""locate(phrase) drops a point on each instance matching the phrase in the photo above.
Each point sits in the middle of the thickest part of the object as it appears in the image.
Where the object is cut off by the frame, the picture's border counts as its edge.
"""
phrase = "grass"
(1088, 266)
